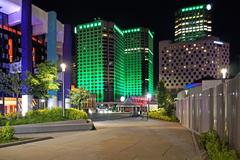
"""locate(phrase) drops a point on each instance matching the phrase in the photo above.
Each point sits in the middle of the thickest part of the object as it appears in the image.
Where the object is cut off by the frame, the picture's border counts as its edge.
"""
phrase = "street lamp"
(224, 73)
(63, 66)
(148, 99)
(122, 99)
(224, 76)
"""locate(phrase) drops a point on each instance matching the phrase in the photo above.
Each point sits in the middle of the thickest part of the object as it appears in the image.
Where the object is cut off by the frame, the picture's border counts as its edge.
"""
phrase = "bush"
(216, 149)
(11, 116)
(1, 119)
(45, 115)
(74, 114)
(6, 133)
(162, 115)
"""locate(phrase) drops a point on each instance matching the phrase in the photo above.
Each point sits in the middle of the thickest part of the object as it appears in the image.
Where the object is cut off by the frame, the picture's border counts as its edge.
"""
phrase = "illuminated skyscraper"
(138, 61)
(192, 23)
(195, 54)
(100, 59)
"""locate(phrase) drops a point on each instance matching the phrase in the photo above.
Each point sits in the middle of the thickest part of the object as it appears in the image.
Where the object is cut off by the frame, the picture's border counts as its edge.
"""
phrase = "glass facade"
(111, 63)
(138, 62)
(100, 61)
(10, 45)
(193, 22)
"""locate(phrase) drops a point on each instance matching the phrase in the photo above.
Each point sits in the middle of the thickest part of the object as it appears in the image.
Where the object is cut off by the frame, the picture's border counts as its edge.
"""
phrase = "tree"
(165, 98)
(10, 84)
(43, 81)
(16, 87)
(4, 80)
(78, 95)
(162, 94)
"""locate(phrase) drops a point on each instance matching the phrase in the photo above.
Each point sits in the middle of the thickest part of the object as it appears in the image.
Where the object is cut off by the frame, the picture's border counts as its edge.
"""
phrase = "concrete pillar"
(52, 51)
(26, 44)
(67, 58)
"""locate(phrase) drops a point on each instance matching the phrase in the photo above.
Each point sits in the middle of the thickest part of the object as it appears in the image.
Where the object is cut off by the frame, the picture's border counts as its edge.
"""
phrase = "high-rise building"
(192, 23)
(195, 54)
(184, 63)
(99, 59)
(138, 61)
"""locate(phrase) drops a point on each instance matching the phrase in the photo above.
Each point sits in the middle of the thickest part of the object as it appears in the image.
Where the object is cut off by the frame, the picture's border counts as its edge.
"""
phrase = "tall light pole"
(224, 76)
(63, 66)
(224, 73)
(122, 99)
(148, 101)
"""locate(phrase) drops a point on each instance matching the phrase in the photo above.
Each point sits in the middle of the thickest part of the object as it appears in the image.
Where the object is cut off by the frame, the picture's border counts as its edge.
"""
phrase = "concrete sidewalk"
(126, 139)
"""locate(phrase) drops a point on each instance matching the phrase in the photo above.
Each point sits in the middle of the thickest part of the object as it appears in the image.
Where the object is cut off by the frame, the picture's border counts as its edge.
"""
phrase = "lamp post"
(63, 66)
(224, 76)
(122, 99)
(148, 100)
(224, 73)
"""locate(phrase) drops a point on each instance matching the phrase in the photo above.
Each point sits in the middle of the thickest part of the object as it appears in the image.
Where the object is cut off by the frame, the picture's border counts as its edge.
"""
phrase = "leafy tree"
(77, 96)
(44, 80)
(10, 84)
(3, 87)
(16, 87)
(162, 94)
(165, 98)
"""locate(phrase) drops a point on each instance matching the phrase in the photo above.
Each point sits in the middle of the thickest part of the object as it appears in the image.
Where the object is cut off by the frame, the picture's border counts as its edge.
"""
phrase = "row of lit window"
(187, 18)
(192, 22)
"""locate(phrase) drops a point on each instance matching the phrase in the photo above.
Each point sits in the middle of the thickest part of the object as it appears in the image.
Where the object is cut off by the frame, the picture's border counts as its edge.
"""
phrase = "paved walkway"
(126, 139)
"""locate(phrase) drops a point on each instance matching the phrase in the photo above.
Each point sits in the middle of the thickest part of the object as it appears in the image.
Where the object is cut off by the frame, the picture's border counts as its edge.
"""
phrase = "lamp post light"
(224, 73)
(148, 101)
(224, 110)
(63, 66)
(122, 99)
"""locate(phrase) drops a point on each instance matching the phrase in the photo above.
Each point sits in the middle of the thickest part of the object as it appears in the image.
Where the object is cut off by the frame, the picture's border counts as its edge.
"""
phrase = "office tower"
(195, 54)
(138, 61)
(99, 59)
(192, 23)
(184, 63)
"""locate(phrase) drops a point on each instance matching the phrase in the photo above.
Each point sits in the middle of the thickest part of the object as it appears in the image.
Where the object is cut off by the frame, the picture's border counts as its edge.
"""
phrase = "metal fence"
(216, 108)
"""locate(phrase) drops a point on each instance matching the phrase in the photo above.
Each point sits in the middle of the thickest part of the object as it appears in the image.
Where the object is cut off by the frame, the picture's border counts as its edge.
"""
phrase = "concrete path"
(126, 139)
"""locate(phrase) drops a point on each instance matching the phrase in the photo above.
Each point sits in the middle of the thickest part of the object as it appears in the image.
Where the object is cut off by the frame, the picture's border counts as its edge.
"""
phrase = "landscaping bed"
(42, 116)
(216, 148)
(161, 114)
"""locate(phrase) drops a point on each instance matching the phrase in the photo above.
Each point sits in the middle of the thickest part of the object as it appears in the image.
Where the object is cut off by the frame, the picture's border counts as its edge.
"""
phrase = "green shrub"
(6, 133)
(216, 149)
(45, 115)
(75, 114)
(1, 119)
(11, 116)
(162, 115)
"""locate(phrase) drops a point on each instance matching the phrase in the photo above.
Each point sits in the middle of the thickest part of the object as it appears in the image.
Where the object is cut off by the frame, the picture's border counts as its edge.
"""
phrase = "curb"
(203, 154)
(53, 127)
(24, 141)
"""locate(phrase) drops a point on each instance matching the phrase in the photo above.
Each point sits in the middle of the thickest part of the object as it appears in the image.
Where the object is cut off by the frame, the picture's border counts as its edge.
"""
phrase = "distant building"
(138, 61)
(99, 59)
(195, 54)
(111, 63)
(185, 62)
(192, 23)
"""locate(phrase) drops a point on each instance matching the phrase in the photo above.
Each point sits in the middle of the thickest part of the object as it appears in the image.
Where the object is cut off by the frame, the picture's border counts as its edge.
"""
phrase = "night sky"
(157, 15)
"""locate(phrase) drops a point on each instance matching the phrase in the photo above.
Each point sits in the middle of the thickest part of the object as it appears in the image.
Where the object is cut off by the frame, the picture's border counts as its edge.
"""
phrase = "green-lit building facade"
(193, 23)
(138, 61)
(99, 59)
